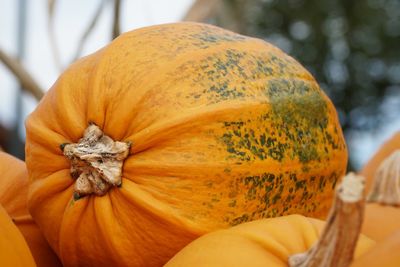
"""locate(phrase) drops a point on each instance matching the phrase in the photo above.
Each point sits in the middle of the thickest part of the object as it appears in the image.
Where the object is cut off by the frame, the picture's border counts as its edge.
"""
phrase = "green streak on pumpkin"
(300, 112)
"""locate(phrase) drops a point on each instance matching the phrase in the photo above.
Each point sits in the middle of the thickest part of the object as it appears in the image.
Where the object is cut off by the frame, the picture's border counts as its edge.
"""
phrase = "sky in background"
(71, 19)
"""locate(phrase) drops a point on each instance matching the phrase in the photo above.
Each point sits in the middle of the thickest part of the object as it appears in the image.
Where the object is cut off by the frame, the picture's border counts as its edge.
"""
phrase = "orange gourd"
(369, 169)
(382, 215)
(384, 253)
(266, 242)
(173, 131)
(380, 221)
(13, 249)
(13, 197)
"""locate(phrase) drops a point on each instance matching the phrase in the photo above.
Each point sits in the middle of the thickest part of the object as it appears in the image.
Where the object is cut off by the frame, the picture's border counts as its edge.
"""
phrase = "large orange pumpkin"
(211, 129)
(13, 196)
(13, 249)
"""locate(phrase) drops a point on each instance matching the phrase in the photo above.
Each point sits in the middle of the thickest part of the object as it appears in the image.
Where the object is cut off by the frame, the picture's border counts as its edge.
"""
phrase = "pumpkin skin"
(265, 242)
(224, 129)
(384, 253)
(13, 249)
(13, 196)
(380, 221)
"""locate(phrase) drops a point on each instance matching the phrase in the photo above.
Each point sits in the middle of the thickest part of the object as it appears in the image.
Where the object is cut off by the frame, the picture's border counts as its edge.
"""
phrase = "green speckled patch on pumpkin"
(301, 114)
(295, 126)
(206, 38)
(281, 194)
(231, 74)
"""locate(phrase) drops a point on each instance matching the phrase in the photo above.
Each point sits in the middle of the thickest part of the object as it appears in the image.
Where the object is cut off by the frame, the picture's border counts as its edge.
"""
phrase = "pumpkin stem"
(337, 243)
(96, 162)
(386, 185)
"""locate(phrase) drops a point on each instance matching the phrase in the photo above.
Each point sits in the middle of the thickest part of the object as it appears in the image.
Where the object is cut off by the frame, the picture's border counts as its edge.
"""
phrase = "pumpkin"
(170, 132)
(13, 197)
(380, 221)
(282, 241)
(382, 216)
(265, 242)
(13, 249)
(384, 253)
(369, 169)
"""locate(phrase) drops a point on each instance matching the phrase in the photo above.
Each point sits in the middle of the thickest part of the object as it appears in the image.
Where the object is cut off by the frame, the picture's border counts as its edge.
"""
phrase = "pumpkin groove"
(224, 129)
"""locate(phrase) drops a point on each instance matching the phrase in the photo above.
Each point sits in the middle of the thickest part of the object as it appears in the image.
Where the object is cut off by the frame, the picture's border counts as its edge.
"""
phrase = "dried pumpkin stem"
(96, 162)
(338, 241)
(386, 185)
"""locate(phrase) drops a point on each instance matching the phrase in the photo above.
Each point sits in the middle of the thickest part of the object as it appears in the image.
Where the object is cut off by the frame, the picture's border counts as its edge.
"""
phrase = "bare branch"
(26, 80)
(116, 27)
(202, 10)
(52, 35)
(88, 30)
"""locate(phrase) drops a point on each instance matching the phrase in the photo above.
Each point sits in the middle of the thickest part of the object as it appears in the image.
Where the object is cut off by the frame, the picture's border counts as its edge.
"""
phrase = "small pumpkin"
(282, 241)
(266, 242)
(386, 149)
(13, 197)
(13, 249)
(173, 131)
(384, 253)
(382, 215)
(380, 221)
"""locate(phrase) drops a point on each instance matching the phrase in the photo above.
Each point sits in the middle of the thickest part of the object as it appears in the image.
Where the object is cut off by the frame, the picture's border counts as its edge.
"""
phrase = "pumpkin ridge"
(65, 222)
(158, 208)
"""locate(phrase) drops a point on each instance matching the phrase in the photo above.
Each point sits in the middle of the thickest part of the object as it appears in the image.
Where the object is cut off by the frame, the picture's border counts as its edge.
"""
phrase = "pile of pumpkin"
(188, 145)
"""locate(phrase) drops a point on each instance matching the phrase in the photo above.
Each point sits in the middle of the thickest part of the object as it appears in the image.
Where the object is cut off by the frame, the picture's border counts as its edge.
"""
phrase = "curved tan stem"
(96, 162)
(338, 241)
(386, 185)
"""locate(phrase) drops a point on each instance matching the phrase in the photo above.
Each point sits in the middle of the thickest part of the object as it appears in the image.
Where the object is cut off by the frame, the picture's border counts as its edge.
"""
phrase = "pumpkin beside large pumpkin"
(371, 166)
(13, 196)
(384, 253)
(267, 242)
(222, 128)
(382, 219)
(13, 249)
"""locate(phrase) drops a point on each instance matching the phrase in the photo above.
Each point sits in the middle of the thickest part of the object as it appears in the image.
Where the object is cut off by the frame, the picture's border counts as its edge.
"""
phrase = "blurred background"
(351, 47)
